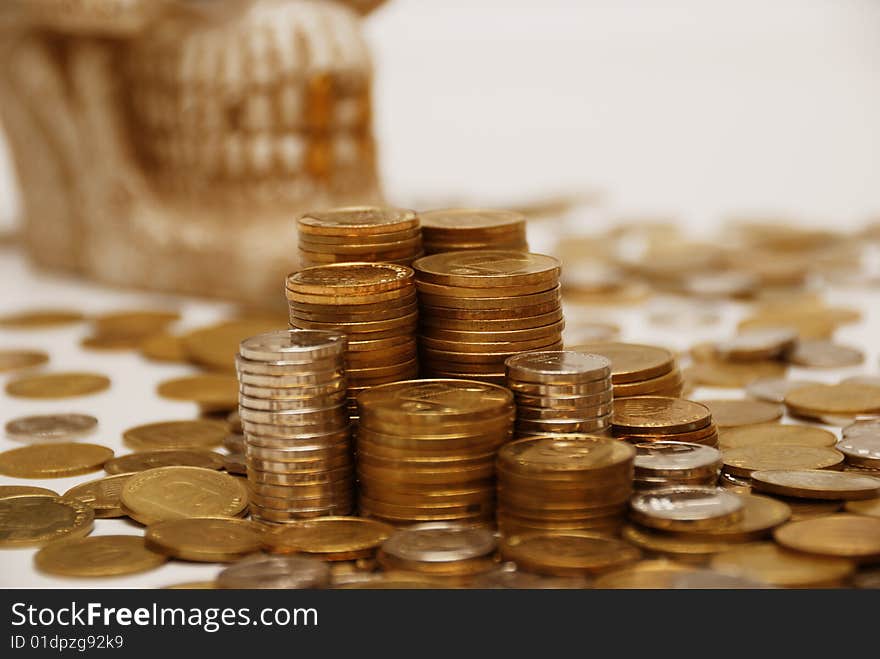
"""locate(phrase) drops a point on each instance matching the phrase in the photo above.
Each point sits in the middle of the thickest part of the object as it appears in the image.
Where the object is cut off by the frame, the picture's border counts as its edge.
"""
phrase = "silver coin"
(862, 450)
(685, 504)
(818, 353)
(675, 458)
(867, 427)
(51, 427)
(558, 366)
(774, 390)
(711, 580)
(440, 542)
(275, 572)
(293, 345)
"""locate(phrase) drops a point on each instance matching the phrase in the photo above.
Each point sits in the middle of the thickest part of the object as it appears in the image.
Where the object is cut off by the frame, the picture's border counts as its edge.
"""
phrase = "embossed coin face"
(664, 507)
(189, 434)
(675, 456)
(14, 360)
(296, 346)
(768, 563)
(57, 385)
(207, 539)
(631, 362)
(834, 399)
(217, 390)
(329, 535)
(567, 554)
(436, 399)
(17, 490)
(766, 434)
(757, 344)
(358, 221)
(487, 268)
(659, 415)
(569, 453)
(350, 279)
(55, 460)
(34, 520)
(440, 542)
(560, 365)
(103, 495)
(816, 484)
(178, 492)
(471, 218)
(746, 459)
(730, 413)
(275, 572)
(50, 427)
(847, 536)
(97, 556)
(133, 462)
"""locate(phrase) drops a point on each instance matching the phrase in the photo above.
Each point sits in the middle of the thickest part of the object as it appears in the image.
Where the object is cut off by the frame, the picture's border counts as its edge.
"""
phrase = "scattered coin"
(758, 344)
(164, 348)
(57, 385)
(870, 507)
(54, 460)
(141, 461)
(816, 484)
(97, 556)
(834, 399)
(760, 515)
(51, 427)
(190, 434)
(818, 353)
(205, 539)
(653, 574)
(40, 318)
(213, 390)
(774, 390)
(16, 360)
(855, 537)
(744, 460)
(731, 413)
(765, 562)
(103, 495)
(331, 538)
(775, 434)
(275, 572)
(34, 520)
(216, 346)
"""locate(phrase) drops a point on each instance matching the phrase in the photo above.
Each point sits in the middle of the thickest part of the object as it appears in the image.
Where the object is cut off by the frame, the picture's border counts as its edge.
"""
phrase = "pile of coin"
(638, 370)
(477, 308)
(572, 483)
(296, 427)
(560, 392)
(663, 419)
(390, 235)
(426, 449)
(460, 229)
(659, 464)
(374, 305)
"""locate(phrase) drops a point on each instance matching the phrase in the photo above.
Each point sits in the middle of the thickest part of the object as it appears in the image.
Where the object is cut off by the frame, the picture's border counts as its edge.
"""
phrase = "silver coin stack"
(560, 392)
(660, 464)
(298, 450)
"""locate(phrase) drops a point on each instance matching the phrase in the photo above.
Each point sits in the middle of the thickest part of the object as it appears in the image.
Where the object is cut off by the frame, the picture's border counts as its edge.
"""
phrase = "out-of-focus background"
(696, 109)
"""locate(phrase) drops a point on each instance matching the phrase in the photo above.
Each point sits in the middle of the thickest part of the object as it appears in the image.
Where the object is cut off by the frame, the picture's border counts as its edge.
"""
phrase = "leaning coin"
(17, 490)
(34, 520)
(54, 460)
(768, 563)
(727, 413)
(275, 572)
(205, 539)
(102, 495)
(50, 427)
(189, 434)
(567, 554)
(775, 434)
(97, 556)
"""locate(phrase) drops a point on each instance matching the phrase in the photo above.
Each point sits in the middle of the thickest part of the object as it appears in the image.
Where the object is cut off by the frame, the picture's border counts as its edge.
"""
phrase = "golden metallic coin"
(818, 353)
(57, 385)
(584, 453)
(205, 539)
(756, 345)
(870, 507)
(215, 347)
(329, 535)
(651, 387)
(760, 515)
(136, 322)
(479, 291)
(189, 434)
(341, 280)
(50, 427)
(567, 554)
(687, 549)
(659, 415)
(747, 459)
(810, 323)
(275, 572)
(134, 462)
(55, 460)
(14, 360)
(215, 390)
(734, 374)
(488, 269)
(112, 342)
(816, 484)
(97, 556)
(357, 221)
(767, 563)
(18, 490)
(291, 347)
(40, 318)
(834, 399)
(353, 242)
(856, 537)
(180, 492)
(654, 574)
(103, 495)
(192, 585)
(29, 520)
(164, 348)
(631, 362)
(775, 434)
(497, 306)
(732, 413)
(470, 222)
(434, 403)
(774, 390)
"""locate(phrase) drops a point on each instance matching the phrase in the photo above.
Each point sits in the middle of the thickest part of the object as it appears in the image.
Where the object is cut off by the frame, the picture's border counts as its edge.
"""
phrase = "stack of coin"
(477, 308)
(560, 392)
(572, 483)
(390, 235)
(460, 229)
(659, 464)
(426, 449)
(662, 419)
(293, 414)
(374, 304)
(638, 370)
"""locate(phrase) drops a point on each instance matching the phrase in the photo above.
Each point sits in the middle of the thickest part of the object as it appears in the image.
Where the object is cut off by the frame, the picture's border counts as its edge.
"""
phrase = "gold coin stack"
(374, 305)
(639, 370)
(460, 229)
(426, 450)
(478, 308)
(661, 419)
(560, 392)
(388, 235)
(293, 414)
(572, 483)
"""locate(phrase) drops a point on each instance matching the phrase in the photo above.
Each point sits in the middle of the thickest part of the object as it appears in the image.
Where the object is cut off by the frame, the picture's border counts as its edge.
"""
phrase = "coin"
(717, 373)
(566, 454)
(357, 221)
(862, 450)
(349, 279)
(760, 515)
(103, 495)
(181, 492)
(818, 353)
(97, 556)
(767, 563)
(134, 462)
(16, 490)
(816, 484)
(868, 427)
(275, 572)
(676, 459)
(14, 360)
(190, 434)
(854, 537)
(214, 390)
(659, 415)
(653, 574)
(215, 347)
(560, 367)
(40, 318)
(55, 460)
(774, 390)
(205, 539)
(834, 399)
(686, 549)
(744, 460)
(758, 344)
(775, 434)
(730, 413)
(681, 508)
(567, 554)
(57, 385)
(488, 269)
(35, 520)
(870, 507)
(163, 347)
(50, 427)
(631, 362)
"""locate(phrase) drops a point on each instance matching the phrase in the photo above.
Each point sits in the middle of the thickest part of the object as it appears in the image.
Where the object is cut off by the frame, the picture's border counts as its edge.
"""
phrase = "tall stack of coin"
(477, 308)
(293, 414)
(374, 305)
(459, 229)
(639, 370)
(426, 449)
(364, 233)
(571, 483)
(560, 392)
(659, 464)
(662, 419)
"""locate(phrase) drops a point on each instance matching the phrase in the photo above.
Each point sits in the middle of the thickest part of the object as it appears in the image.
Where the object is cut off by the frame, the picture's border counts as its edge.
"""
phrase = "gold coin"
(488, 269)
(818, 353)
(846, 536)
(478, 291)
(102, 495)
(734, 374)
(732, 413)
(350, 279)
(164, 493)
(567, 454)
(870, 507)
(688, 549)
(470, 221)
(18, 490)
(765, 562)
(215, 390)
(205, 539)
(329, 535)
(774, 390)
(56, 460)
(190, 434)
(40, 318)
(567, 554)
(215, 347)
(14, 360)
(192, 585)
(631, 362)
(34, 520)
(164, 348)
(135, 322)
(357, 221)
(760, 515)
(97, 556)
(134, 462)
(112, 342)
(834, 399)
(747, 459)
(57, 385)
(757, 345)
(654, 574)
(816, 484)
(775, 434)
(660, 415)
